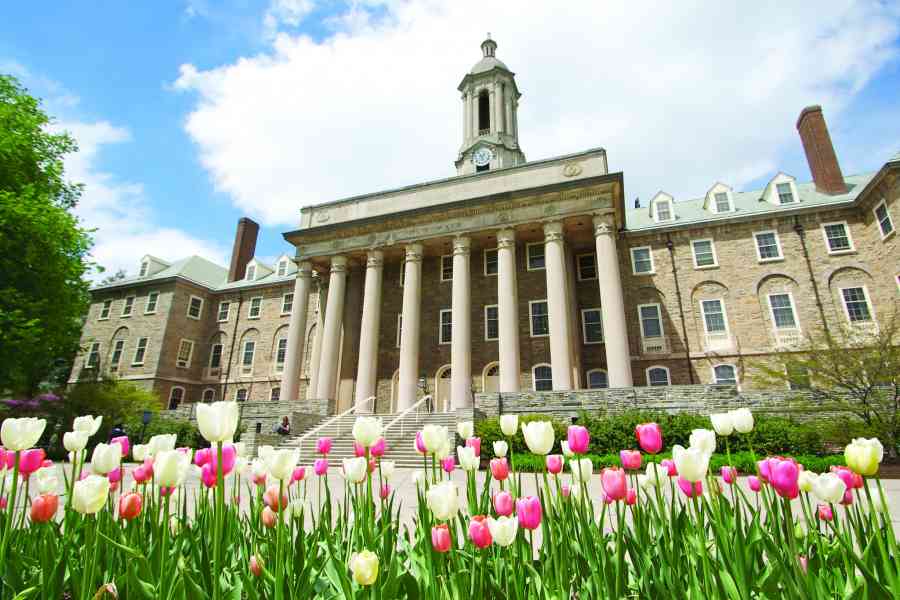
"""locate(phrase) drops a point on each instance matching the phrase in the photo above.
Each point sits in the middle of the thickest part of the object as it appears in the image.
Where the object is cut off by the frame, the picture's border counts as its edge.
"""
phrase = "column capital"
(553, 231)
(461, 245)
(374, 259)
(414, 253)
(304, 269)
(506, 238)
(338, 264)
(604, 225)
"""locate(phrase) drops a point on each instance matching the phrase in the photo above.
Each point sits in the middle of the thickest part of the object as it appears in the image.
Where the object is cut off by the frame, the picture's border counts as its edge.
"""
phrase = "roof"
(486, 64)
(746, 204)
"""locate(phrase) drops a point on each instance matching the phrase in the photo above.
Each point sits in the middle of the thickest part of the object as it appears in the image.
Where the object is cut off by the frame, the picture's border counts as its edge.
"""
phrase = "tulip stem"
(11, 509)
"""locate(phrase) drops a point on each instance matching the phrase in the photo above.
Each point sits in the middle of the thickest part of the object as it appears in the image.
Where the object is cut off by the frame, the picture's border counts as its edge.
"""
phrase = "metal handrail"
(402, 416)
(333, 419)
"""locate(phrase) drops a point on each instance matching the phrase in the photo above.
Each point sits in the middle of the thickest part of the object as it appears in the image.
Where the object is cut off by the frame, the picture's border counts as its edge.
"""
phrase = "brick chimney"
(244, 247)
(823, 163)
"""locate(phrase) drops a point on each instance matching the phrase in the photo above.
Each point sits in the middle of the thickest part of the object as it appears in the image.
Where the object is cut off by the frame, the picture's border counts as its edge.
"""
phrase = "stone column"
(366, 374)
(508, 311)
(612, 302)
(492, 111)
(316, 350)
(461, 337)
(290, 379)
(508, 108)
(409, 331)
(560, 332)
(475, 110)
(467, 119)
(331, 334)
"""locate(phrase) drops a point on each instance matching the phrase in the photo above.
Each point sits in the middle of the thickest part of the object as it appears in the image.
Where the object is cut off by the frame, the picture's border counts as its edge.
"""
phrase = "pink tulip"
(268, 518)
(614, 483)
(528, 509)
(499, 468)
(649, 437)
(448, 464)
(256, 566)
(851, 479)
(202, 456)
(166, 491)
(690, 489)
(270, 497)
(141, 474)
(420, 443)
(631, 459)
(503, 504)
(43, 508)
(479, 532)
(848, 497)
(115, 476)
(440, 538)
(123, 443)
(475, 443)
(631, 497)
(358, 450)
(113, 486)
(607, 499)
(554, 463)
(10, 459)
(130, 505)
(259, 479)
(47, 463)
(385, 491)
(579, 439)
(373, 464)
(320, 466)
(298, 474)
(762, 467)
(804, 563)
(783, 476)
(229, 458)
(825, 513)
(378, 448)
(208, 475)
(729, 475)
(30, 461)
(566, 490)
(323, 445)
(669, 465)
(754, 483)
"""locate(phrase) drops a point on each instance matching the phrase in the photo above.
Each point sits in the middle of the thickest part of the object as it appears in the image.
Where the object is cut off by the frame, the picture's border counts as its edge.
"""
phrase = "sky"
(191, 113)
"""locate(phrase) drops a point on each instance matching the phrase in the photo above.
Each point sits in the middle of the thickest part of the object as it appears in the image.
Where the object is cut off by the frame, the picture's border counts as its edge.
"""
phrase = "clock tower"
(490, 101)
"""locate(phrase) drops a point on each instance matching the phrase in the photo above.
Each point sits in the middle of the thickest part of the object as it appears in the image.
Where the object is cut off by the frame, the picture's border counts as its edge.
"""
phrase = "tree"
(117, 276)
(43, 249)
(857, 372)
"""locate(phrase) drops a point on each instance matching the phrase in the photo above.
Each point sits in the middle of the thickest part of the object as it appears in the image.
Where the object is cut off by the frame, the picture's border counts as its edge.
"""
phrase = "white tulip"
(444, 451)
(467, 459)
(21, 434)
(465, 429)
(161, 443)
(418, 478)
(171, 467)
(106, 458)
(509, 424)
(258, 468)
(582, 469)
(644, 482)
(218, 421)
(742, 419)
(88, 424)
(692, 463)
(367, 431)
(281, 463)
(140, 452)
(264, 450)
(442, 500)
(503, 530)
(90, 494)
(828, 487)
(241, 465)
(388, 468)
(703, 440)
(656, 474)
(500, 448)
(75, 441)
(46, 480)
(806, 480)
(864, 455)
(240, 448)
(722, 423)
(567, 452)
(355, 469)
(539, 436)
(434, 437)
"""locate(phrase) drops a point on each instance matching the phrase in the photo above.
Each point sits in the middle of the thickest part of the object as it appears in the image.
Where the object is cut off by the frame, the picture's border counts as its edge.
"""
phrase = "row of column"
(561, 350)
(500, 106)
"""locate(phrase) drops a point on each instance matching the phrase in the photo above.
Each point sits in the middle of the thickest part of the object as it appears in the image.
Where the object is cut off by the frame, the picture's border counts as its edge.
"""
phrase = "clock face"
(482, 156)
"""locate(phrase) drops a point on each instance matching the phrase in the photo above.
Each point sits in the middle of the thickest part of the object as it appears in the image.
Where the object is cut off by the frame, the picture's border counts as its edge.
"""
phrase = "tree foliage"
(43, 250)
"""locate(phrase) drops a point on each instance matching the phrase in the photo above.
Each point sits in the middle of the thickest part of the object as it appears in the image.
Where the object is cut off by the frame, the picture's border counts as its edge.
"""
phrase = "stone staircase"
(400, 445)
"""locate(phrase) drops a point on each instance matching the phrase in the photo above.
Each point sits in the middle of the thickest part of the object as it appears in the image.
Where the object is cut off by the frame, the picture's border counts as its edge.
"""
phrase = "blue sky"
(192, 114)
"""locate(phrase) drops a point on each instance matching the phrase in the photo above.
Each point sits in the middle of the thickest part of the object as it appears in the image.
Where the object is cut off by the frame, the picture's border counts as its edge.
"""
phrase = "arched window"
(176, 397)
(657, 376)
(542, 378)
(725, 375)
(241, 395)
(597, 379)
(484, 112)
(209, 395)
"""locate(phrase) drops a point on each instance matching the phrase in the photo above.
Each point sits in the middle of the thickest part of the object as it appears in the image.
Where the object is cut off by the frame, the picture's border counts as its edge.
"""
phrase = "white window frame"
(759, 256)
(147, 310)
(662, 329)
(793, 310)
(145, 268)
(715, 380)
(578, 258)
(106, 307)
(587, 379)
(237, 393)
(872, 320)
(399, 327)
(203, 395)
(212, 354)
(137, 348)
(284, 297)
(729, 199)
(534, 369)
(890, 219)
(281, 268)
(448, 258)
(250, 272)
(172, 393)
(777, 194)
(130, 308)
(187, 362)
(656, 205)
(721, 302)
(94, 350)
(653, 367)
(485, 261)
(191, 299)
(219, 318)
(247, 369)
(486, 337)
(118, 346)
(849, 250)
(531, 303)
(712, 247)
(250, 314)
(584, 326)
(272, 397)
(279, 366)
(444, 311)
(634, 270)
(528, 248)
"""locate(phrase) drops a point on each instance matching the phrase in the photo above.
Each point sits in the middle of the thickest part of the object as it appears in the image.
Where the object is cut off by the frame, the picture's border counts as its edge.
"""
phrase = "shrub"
(187, 432)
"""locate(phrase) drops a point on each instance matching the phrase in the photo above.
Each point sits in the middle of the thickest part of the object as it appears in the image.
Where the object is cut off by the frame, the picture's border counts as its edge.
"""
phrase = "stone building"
(512, 276)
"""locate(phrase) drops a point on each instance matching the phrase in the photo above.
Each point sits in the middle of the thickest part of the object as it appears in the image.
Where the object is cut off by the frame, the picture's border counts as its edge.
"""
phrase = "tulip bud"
(631, 459)
(269, 518)
(729, 475)
(323, 445)
(754, 483)
(359, 450)
(89, 494)
(566, 490)
(448, 464)
(499, 469)
(631, 497)
(465, 429)
(124, 443)
(43, 508)
(742, 419)
(825, 513)
(130, 505)
(864, 455)
(829, 487)
(440, 538)
(500, 448)
(614, 483)
(434, 437)
(420, 443)
(806, 480)
(364, 567)
(367, 430)
(468, 460)
(388, 468)
(30, 461)
(479, 532)
(256, 565)
(355, 469)
(280, 463)
(579, 439)
(722, 424)
(171, 468)
(443, 501)
(503, 503)
(378, 448)
(385, 491)
(298, 474)
(475, 444)
(670, 467)
(649, 437)
(217, 421)
(86, 423)
(75, 441)
(503, 530)
(270, 497)
(582, 469)
(703, 440)
(528, 511)
(784, 478)
(539, 437)
(848, 498)
(509, 424)
(320, 466)
(690, 488)
(554, 463)
(692, 463)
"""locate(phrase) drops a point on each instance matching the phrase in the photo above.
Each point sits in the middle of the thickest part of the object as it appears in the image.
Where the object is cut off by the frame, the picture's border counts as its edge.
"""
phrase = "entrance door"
(491, 379)
(442, 389)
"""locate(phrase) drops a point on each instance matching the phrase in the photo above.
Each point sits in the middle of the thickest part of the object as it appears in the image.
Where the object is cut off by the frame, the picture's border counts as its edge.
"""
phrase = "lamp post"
(145, 419)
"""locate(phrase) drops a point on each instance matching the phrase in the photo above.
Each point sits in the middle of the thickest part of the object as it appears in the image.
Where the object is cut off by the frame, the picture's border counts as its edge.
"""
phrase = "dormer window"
(282, 267)
(145, 266)
(251, 273)
(663, 211)
(722, 202)
(785, 193)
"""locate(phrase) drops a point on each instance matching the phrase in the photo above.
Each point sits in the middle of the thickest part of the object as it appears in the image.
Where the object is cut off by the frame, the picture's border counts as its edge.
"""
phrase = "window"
(280, 354)
(837, 237)
(540, 324)
(287, 303)
(884, 219)
(484, 113)
(856, 304)
(224, 310)
(704, 254)
(642, 261)
(152, 299)
(275, 395)
(215, 356)
(491, 266)
(250, 274)
(402, 272)
(447, 268)
(597, 379)
(185, 351)
(651, 321)
(445, 329)
(128, 307)
(145, 266)
(240, 395)
(93, 359)
(535, 253)
(782, 307)
(587, 266)
(195, 307)
(785, 193)
(209, 395)
(798, 377)
(176, 397)
(767, 246)
(282, 268)
(657, 376)
(104, 311)
(713, 316)
(116, 355)
(722, 203)
(491, 322)
(399, 327)
(663, 210)
(140, 351)
(592, 326)
(247, 357)
(542, 378)
(725, 375)
(255, 308)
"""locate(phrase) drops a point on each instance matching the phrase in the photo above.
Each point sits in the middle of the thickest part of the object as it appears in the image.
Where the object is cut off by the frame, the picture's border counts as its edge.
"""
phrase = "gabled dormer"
(256, 270)
(662, 208)
(284, 266)
(719, 199)
(150, 265)
(781, 191)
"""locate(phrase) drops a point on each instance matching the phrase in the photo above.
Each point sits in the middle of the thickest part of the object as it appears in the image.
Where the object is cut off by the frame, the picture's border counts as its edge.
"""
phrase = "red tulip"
(754, 483)
(385, 491)
(554, 463)
(113, 486)
(43, 508)
(649, 437)
(323, 445)
(475, 443)
(270, 497)
(825, 513)
(208, 475)
(30, 461)
(256, 565)
(299, 474)
(378, 448)
(440, 538)
(123, 443)
(268, 517)
(579, 439)
(499, 469)
(614, 483)
(320, 466)
(729, 475)
(631, 459)
(130, 505)
(358, 450)
(479, 532)
(3, 502)
(690, 489)
(528, 510)
(448, 464)
(166, 491)
(631, 497)
(503, 504)
(848, 497)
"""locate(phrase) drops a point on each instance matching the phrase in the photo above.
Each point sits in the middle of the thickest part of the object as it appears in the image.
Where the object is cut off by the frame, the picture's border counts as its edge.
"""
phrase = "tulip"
(208, 476)
(106, 458)
(280, 463)
(142, 474)
(420, 443)
(320, 466)
(217, 421)
(46, 480)
(689, 488)
(656, 474)
(829, 487)
(440, 538)
(853, 480)
(500, 448)
(43, 508)
(358, 450)
(202, 456)
(475, 444)
(378, 448)
(130, 505)
(509, 424)
(479, 532)
(256, 565)
(631, 459)
(323, 445)
(434, 437)
(89, 494)
(578, 438)
(75, 441)
(30, 461)
(271, 498)
(355, 469)
(784, 478)
(729, 475)
(528, 510)
(448, 464)
(442, 500)
(115, 476)
(269, 518)
(825, 513)
(3, 503)
(229, 458)
(21, 434)
(364, 566)
(385, 491)
(847, 500)
(649, 437)
(538, 437)
(864, 455)
(503, 530)
(124, 443)
(806, 480)
(418, 478)
(87, 423)
(554, 463)
(298, 474)
(691, 463)
(631, 497)
(566, 490)
(465, 429)
(722, 423)
(503, 503)
(566, 450)
(367, 430)
(582, 469)
(171, 467)
(468, 460)
(614, 483)
(742, 419)
(704, 440)
(669, 465)
(161, 443)
(754, 483)
(140, 452)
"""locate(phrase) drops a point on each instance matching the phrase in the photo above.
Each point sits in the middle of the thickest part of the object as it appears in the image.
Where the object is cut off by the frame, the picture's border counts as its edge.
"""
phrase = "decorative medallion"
(572, 169)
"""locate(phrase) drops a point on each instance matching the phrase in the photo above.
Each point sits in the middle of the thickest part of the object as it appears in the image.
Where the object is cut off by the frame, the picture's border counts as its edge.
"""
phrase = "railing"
(401, 418)
(331, 421)
(654, 345)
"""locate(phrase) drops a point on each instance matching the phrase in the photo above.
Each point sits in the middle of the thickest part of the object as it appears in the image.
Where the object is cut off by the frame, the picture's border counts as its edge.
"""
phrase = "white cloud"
(680, 95)
(286, 12)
